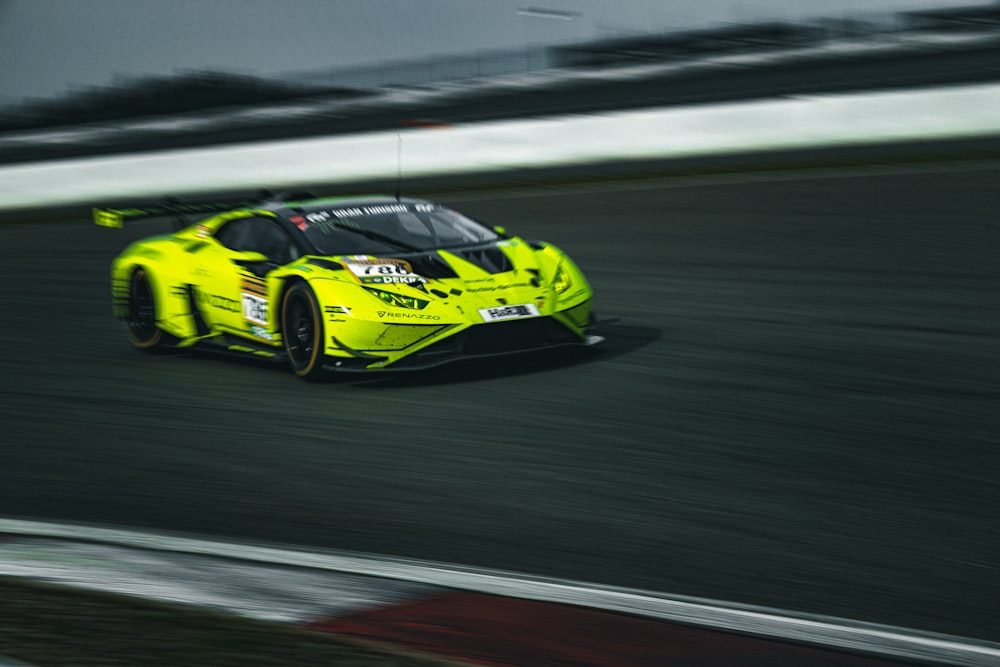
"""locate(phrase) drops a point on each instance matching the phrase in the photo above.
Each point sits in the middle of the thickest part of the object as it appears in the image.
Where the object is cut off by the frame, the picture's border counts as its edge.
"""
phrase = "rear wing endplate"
(116, 217)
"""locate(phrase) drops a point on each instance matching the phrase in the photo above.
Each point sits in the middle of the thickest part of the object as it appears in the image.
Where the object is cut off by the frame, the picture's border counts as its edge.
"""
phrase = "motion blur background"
(796, 406)
(54, 48)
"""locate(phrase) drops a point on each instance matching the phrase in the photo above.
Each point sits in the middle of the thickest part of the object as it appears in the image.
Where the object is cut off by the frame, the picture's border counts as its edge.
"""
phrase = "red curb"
(508, 632)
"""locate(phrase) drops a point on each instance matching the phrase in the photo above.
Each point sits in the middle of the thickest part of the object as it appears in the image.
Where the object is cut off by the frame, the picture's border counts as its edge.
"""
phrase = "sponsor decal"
(380, 209)
(254, 300)
(494, 288)
(261, 332)
(388, 280)
(327, 220)
(220, 302)
(333, 313)
(204, 231)
(254, 308)
(409, 316)
(509, 312)
(399, 300)
(254, 286)
(382, 271)
(299, 222)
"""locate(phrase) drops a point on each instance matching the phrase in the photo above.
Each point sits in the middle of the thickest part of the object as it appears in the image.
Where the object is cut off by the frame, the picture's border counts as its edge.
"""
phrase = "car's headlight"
(561, 282)
(398, 300)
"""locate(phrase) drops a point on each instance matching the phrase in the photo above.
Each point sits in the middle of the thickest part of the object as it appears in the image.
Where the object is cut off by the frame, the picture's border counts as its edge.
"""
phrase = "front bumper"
(476, 342)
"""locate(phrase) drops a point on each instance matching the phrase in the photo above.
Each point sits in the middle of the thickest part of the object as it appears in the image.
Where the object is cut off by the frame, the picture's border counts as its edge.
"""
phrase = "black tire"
(302, 331)
(140, 324)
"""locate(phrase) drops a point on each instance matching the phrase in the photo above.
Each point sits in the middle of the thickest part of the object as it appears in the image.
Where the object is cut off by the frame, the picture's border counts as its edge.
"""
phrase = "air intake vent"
(489, 258)
(430, 266)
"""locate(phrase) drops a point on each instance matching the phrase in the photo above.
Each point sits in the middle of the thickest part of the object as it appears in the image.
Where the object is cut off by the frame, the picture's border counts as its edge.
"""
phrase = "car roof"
(332, 203)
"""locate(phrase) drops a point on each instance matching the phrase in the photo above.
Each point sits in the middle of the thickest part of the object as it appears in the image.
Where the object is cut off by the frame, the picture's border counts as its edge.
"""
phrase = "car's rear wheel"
(302, 331)
(140, 323)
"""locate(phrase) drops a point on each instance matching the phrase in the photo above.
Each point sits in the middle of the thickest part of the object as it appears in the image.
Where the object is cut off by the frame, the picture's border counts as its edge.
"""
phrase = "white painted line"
(817, 630)
(950, 112)
(10, 662)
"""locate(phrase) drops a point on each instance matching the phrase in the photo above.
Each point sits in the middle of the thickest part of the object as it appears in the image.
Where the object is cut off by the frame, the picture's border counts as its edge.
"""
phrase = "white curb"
(817, 630)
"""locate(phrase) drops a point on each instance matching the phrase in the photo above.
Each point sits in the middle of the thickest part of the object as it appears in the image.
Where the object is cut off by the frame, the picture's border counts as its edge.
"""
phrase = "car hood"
(462, 284)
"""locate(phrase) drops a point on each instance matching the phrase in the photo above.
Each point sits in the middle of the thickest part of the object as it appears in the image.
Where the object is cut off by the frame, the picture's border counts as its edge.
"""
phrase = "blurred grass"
(46, 625)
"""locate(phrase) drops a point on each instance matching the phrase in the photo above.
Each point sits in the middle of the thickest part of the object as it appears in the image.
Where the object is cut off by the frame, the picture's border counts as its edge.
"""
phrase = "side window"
(271, 240)
(260, 235)
(234, 234)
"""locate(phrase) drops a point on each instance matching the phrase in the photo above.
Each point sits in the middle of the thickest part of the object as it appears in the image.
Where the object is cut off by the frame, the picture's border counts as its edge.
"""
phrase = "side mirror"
(502, 231)
(249, 257)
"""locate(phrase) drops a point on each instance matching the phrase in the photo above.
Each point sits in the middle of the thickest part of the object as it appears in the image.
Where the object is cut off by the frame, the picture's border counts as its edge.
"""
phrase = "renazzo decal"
(509, 312)
(382, 271)
(407, 316)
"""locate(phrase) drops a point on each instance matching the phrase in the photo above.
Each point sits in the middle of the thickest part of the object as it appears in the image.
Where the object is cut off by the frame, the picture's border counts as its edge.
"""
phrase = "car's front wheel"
(302, 331)
(140, 323)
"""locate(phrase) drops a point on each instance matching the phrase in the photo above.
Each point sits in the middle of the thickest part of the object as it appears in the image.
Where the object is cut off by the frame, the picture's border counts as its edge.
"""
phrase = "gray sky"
(50, 47)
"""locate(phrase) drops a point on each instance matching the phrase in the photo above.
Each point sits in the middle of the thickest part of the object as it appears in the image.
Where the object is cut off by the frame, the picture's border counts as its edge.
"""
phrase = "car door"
(238, 291)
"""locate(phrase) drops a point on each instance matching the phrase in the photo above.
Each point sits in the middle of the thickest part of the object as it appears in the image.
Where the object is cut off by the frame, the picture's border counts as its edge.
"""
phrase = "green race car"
(347, 284)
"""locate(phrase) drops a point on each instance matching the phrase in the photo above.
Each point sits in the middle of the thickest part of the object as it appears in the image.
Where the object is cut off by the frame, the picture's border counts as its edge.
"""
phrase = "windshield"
(377, 229)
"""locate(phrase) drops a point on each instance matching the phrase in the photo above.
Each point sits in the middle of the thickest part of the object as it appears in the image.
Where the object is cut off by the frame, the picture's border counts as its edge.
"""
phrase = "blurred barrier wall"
(819, 121)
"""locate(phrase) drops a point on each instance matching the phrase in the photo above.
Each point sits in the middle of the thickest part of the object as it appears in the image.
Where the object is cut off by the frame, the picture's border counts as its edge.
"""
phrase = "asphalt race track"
(797, 406)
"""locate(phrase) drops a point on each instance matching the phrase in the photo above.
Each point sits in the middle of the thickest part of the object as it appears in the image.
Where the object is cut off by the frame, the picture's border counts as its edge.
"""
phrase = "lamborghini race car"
(347, 284)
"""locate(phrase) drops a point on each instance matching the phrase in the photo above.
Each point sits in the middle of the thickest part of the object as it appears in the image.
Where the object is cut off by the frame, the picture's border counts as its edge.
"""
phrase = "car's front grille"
(537, 333)
(516, 335)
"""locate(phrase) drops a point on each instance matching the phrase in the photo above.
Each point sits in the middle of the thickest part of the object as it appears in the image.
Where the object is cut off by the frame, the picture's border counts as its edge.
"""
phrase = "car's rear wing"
(180, 209)
(115, 217)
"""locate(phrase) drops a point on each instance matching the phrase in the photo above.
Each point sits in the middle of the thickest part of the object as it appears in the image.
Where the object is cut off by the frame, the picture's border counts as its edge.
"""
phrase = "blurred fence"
(728, 64)
(192, 91)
